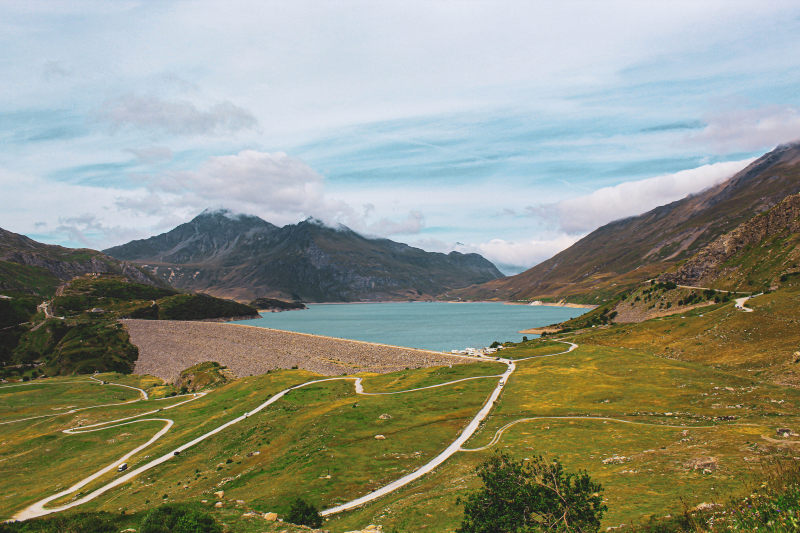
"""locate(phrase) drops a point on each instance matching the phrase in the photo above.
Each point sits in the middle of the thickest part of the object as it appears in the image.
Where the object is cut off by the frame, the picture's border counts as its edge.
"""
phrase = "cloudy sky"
(508, 128)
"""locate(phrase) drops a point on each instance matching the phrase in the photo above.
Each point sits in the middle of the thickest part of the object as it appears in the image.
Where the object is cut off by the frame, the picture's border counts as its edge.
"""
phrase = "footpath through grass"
(317, 442)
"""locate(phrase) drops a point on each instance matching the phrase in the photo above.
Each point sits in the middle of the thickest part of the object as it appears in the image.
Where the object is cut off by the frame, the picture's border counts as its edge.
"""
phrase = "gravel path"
(167, 347)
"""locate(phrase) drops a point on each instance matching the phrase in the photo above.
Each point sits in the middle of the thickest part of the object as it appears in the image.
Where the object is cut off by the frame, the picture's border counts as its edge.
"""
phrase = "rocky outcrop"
(710, 262)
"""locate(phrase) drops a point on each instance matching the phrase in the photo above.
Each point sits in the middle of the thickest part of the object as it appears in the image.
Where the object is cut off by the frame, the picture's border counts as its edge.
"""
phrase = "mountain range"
(625, 252)
(244, 257)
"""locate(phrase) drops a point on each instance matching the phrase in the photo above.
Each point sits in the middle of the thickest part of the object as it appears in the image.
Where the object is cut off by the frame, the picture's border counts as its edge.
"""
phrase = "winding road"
(39, 508)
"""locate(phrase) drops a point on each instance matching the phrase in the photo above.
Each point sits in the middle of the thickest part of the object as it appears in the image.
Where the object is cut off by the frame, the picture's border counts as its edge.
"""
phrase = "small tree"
(530, 496)
(304, 514)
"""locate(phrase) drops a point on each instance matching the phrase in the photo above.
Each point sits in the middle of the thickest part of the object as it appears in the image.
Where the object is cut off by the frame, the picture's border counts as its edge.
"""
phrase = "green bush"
(76, 523)
(304, 514)
(201, 306)
(172, 518)
(529, 496)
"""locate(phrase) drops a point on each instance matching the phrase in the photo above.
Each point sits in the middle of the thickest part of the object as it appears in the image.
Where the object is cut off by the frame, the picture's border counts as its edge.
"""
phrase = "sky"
(507, 128)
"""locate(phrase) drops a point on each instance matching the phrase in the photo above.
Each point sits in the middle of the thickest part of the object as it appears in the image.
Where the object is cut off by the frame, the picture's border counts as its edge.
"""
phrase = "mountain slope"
(752, 257)
(245, 257)
(625, 252)
(31, 267)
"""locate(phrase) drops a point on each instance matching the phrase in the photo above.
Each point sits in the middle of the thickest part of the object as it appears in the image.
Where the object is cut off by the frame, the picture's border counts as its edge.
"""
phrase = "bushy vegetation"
(89, 338)
(14, 313)
(273, 303)
(75, 523)
(113, 294)
(303, 513)
(77, 347)
(199, 307)
(173, 518)
(524, 496)
(201, 376)
(170, 518)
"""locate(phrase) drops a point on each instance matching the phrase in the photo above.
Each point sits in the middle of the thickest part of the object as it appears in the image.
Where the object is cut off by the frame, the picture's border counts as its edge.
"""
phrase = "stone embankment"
(166, 347)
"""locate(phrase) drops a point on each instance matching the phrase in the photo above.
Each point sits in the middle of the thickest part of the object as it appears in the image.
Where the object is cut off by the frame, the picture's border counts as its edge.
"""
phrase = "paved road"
(453, 448)
(741, 301)
(502, 430)
(39, 508)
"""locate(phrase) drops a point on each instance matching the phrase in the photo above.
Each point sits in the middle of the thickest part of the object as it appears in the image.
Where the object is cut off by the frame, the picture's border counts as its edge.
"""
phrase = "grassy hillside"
(663, 432)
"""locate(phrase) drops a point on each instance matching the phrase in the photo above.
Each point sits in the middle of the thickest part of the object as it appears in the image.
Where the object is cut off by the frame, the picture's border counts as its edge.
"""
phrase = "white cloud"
(74, 215)
(585, 213)
(413, 223)
(750, 129)
(275, 186)
(176, 116)
(520, 254)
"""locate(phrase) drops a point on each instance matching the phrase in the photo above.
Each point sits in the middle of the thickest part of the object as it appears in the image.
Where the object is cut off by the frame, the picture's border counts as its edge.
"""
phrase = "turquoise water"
(431, 325)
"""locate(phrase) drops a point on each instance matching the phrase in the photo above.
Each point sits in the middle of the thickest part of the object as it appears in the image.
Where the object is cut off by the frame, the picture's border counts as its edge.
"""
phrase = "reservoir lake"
(440, 326)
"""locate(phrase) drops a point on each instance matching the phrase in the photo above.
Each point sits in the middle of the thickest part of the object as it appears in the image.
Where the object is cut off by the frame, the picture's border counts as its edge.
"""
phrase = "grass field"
(658, 433)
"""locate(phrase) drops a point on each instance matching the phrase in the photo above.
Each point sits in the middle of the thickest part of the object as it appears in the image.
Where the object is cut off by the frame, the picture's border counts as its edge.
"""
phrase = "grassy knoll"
(46, 397)
(424, 377)
(761, 344)
(320, 429)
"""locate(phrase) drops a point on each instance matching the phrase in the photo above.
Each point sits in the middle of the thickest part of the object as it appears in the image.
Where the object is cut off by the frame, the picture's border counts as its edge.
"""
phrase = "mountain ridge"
(624, 252)
(245, 257)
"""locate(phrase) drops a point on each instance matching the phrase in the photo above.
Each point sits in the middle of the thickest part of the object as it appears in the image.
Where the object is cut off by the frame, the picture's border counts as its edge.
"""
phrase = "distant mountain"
(31, 267)
(628, 251)
(245, 257)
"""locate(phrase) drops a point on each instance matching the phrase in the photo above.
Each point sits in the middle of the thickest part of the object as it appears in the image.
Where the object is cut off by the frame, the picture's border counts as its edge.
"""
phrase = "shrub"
(528, 496)
(304, 514)
(98, 522)
(173, 518)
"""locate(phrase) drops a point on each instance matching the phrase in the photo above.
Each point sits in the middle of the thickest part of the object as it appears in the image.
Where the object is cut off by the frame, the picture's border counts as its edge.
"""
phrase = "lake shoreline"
(434, 326)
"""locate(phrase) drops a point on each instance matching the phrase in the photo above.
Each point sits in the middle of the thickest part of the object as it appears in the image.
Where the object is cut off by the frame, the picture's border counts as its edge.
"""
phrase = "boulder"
(219, 494)
(385, 416)
(272, 517)
(380, 437)
(705, 506)
(707, 465)
(218, 505)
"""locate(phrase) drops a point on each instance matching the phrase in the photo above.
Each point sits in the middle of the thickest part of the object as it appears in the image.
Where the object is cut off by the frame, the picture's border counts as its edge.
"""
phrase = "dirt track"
(166, 347)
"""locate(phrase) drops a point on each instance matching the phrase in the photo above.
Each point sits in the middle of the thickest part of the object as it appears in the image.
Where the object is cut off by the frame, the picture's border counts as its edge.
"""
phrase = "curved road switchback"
(39, 508)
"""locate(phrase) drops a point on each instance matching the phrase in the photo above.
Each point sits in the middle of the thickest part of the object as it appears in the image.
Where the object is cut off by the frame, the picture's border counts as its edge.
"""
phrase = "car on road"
(123, 467)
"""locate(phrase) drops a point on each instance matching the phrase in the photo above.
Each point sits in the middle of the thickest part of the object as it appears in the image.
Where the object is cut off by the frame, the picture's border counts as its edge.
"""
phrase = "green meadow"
(660, 434)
